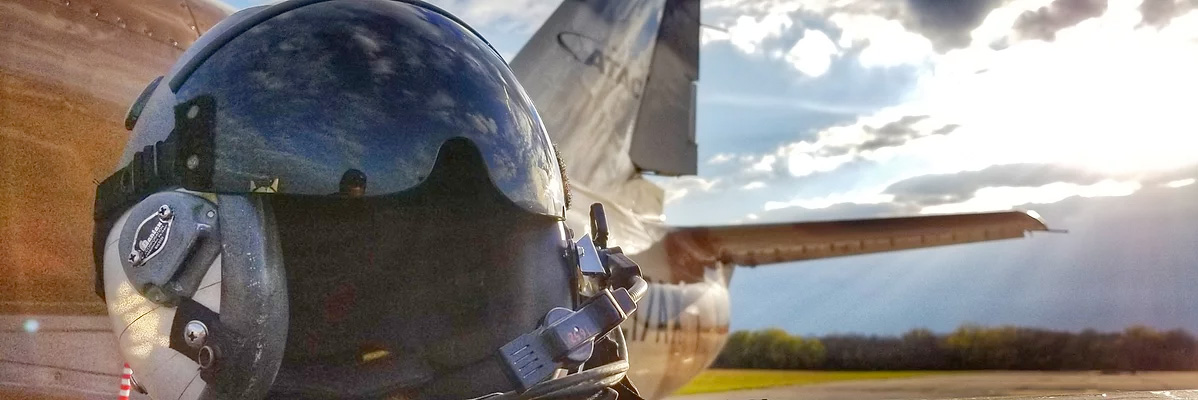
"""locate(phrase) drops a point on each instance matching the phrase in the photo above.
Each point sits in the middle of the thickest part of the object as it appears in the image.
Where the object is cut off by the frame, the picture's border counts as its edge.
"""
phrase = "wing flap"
(751, 245)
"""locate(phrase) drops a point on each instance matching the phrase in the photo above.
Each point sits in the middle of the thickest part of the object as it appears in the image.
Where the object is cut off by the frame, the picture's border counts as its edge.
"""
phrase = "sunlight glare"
(1006, 197)
(1106, 95)
(1180, 183)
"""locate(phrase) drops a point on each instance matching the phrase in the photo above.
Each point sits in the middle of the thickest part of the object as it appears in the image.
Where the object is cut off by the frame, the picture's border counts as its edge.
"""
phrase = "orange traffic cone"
(125, 383)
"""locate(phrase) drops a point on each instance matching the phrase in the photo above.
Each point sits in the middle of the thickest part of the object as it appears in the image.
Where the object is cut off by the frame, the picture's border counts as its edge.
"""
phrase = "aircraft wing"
(752, 245)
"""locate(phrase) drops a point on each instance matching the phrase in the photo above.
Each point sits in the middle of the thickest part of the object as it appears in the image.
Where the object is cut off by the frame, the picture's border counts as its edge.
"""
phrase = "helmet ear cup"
(243, 286)
(143, 325)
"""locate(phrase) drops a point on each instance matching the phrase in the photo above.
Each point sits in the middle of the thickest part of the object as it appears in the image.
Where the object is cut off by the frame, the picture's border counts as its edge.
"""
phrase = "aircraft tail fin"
(613, 80)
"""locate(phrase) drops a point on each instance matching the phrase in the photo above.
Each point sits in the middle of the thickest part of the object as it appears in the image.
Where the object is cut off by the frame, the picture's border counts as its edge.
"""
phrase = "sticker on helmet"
(151, 238)
(264, 187)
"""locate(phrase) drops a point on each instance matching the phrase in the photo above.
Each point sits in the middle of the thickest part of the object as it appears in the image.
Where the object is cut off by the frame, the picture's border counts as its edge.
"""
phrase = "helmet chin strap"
(587, 339)
(254, 302)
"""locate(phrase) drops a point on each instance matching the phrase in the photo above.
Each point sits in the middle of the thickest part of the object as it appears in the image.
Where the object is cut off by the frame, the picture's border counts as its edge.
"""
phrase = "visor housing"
(326, 89)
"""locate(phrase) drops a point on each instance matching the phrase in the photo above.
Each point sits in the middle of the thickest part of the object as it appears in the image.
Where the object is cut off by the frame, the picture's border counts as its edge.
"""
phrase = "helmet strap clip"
(611, 284)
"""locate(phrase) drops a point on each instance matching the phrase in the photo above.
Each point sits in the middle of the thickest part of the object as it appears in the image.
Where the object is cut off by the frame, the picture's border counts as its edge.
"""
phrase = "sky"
(1080, 110)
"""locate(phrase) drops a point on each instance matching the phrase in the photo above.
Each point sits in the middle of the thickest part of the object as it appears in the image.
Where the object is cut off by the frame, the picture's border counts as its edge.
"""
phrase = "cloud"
(765, 164)
(840, 145)
(753, 185)
(677, 188)
(513, 15)
(812, 55)
(893, 134)
(1000, 187)
(882, 42)
(896, 133)
(938, 189)
(1006, 197)
(947, 23)
(760, 102)
(1171, 178)
(997, 188)
(804, 163)
(1158, 13)
(1179, 183)
(816, 203)
(720, 158)
(772, 34)
(837, 211)
(878, 33)
(748, 33)
(1044, 23)
(798, 159)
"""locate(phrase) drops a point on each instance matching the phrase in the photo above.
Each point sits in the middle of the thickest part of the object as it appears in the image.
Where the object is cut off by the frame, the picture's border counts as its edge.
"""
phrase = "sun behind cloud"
(1091, 85)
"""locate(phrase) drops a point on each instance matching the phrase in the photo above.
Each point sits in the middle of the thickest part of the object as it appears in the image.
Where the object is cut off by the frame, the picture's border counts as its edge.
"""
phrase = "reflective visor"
(356, 98)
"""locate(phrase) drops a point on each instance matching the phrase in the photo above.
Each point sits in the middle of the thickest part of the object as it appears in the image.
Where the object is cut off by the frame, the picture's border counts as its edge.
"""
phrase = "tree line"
(969, 347)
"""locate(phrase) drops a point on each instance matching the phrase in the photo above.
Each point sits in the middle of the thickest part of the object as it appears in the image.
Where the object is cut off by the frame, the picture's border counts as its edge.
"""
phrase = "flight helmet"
(336, 198)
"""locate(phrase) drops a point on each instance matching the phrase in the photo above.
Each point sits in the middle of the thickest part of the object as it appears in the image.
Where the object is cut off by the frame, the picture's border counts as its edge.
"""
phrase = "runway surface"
(999, 384)
(75, 358)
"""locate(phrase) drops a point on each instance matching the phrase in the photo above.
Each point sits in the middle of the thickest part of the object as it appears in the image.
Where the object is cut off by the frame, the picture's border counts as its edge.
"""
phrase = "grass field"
(719, 380)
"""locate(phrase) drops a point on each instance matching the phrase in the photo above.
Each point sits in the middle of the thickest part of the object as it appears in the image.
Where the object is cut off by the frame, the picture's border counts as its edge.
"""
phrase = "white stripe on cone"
(125, 382)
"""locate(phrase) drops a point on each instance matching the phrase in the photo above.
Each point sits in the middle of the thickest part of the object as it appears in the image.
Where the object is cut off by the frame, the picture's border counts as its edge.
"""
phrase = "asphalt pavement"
(984, 385)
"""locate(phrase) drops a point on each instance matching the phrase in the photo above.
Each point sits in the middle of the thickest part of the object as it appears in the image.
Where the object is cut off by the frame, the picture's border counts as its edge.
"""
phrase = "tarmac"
(971, 385)
(71, 358)
(984, 385)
